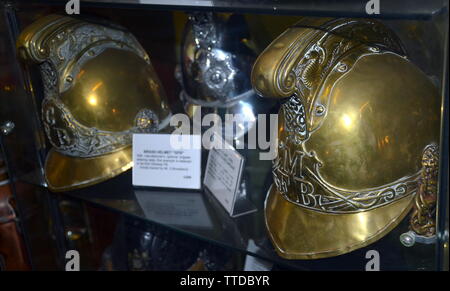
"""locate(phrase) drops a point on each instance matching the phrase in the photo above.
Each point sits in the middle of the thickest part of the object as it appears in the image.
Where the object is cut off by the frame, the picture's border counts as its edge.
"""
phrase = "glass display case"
(359, 89)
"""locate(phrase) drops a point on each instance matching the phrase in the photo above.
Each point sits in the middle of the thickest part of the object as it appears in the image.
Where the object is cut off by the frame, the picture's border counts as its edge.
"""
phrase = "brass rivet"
(342, 68)
(320, 109)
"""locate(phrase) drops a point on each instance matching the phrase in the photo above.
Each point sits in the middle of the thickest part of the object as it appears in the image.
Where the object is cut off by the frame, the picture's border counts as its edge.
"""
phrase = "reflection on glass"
(186, 209)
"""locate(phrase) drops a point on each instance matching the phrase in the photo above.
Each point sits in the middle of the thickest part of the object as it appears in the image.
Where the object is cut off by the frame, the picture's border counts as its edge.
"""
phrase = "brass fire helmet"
(99, 88)
(360, 126)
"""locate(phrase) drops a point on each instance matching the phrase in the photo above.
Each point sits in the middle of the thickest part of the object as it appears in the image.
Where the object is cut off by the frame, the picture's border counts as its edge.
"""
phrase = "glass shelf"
(345, 8)
(198, 214)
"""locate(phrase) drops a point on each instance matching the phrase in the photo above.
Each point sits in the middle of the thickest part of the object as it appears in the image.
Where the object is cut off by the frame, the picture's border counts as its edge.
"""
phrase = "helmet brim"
(65, 173)
(300, 233)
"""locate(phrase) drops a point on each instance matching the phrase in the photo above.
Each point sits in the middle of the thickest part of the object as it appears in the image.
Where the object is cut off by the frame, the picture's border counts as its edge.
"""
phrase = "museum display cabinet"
(359, 89)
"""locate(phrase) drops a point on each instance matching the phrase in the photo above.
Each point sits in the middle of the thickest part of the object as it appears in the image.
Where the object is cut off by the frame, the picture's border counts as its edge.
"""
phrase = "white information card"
(223, 175)
(160, 163)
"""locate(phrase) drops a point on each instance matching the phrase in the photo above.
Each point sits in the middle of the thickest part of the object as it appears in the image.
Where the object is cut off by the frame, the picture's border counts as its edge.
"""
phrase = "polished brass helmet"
(99, 88)
(357, 136)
